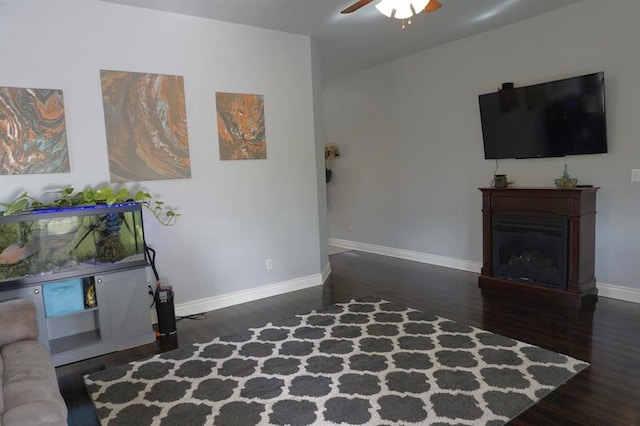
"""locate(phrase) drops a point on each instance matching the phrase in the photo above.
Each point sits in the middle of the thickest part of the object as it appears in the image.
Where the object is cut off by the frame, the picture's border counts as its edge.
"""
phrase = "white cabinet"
(124, 301)
(119, 320)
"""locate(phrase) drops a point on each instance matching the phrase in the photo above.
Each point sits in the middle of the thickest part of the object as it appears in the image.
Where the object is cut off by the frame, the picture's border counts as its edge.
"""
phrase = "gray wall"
(235, 214)
(411, 142)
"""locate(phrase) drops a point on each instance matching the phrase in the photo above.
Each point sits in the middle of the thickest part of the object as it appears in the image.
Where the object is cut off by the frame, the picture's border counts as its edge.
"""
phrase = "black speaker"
(165, 310)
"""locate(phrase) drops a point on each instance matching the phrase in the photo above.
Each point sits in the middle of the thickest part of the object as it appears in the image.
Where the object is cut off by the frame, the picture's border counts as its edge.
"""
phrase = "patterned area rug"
(363, 362)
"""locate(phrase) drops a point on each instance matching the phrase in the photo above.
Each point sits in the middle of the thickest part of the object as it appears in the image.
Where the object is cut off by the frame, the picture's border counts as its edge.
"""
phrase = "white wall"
(316, 64)
(235, 214)
(411, 141)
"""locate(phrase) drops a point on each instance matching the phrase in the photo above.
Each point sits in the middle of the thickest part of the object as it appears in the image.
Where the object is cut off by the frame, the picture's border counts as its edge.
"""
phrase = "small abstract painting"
(241, 134)
(33, 134)
(146, 122)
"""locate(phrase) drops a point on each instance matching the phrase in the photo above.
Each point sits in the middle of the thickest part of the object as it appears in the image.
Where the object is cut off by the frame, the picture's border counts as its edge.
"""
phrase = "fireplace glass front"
(530, 250)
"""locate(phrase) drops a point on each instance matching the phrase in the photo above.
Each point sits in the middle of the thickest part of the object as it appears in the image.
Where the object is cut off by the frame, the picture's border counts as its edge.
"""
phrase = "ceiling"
(363, 38)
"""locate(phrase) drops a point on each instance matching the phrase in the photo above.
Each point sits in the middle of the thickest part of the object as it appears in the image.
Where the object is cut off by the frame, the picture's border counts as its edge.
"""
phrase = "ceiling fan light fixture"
(386, 7)
(401, 9)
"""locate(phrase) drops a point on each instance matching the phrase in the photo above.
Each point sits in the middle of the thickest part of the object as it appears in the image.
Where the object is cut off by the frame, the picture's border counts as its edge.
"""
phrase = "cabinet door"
(34, 293)
(123, 304)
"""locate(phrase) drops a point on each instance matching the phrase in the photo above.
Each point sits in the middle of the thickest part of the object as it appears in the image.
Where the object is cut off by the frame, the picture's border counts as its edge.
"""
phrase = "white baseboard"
(611, 291)
(238, 297)
(325, 272)
(431, 259)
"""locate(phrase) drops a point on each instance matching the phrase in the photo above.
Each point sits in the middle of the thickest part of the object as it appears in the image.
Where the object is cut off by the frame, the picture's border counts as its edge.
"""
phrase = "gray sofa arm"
(17, 321)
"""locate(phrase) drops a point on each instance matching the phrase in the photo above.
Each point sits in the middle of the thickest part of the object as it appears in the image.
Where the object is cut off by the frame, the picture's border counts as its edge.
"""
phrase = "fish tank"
(54, 243)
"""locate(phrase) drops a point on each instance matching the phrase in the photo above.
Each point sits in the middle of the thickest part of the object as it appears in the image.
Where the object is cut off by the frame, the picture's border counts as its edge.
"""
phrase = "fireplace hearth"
(539, 240)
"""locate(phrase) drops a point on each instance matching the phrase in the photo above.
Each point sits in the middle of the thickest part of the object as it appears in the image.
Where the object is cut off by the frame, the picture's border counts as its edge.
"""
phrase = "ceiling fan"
(431, 6)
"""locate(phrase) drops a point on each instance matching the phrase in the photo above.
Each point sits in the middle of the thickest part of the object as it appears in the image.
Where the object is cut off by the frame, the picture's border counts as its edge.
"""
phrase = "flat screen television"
(554, 119)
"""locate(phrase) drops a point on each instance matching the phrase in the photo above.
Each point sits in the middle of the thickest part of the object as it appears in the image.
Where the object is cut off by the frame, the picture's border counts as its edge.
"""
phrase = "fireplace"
(530, 250)
(539, 240)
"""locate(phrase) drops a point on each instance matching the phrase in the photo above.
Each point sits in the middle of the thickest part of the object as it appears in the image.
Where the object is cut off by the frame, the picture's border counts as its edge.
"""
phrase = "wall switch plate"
(635, 175)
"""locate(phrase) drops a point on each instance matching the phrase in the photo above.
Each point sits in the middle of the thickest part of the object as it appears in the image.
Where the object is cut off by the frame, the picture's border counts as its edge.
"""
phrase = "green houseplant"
(105, 238)
(68, 197)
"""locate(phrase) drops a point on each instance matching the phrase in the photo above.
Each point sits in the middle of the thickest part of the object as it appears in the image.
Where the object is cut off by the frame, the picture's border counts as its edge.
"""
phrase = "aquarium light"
(87, 207)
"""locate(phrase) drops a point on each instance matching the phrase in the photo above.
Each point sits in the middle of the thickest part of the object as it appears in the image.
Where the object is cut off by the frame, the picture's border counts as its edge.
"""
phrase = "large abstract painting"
(146, 123)
(33, 135)
(241, 134)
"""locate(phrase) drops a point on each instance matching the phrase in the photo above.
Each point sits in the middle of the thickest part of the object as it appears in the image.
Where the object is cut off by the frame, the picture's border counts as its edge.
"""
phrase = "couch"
(29, 393)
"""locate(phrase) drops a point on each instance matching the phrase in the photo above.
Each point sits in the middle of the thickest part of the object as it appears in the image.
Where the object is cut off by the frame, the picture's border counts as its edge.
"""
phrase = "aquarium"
(55, 243)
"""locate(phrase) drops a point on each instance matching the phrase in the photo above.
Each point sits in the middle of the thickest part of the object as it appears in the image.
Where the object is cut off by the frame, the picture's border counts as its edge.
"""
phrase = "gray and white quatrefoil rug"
(358, 363)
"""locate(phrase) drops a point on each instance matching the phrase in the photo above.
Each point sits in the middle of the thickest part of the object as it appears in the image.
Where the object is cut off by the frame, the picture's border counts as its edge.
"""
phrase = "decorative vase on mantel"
(566, 181)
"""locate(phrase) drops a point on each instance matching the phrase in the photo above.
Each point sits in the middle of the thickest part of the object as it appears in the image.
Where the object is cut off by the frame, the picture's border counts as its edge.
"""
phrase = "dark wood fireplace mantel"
(577, 206)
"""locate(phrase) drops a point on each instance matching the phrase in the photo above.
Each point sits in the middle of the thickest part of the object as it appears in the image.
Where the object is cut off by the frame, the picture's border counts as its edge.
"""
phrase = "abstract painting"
(33, 135)
(146, 123)
(241, 134)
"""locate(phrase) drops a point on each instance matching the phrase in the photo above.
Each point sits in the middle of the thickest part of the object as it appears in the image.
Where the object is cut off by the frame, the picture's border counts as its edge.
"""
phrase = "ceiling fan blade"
(357, 5)
(432, 6)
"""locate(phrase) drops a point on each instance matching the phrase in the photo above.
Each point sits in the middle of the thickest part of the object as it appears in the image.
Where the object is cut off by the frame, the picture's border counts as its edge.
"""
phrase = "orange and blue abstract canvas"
(33, 134)
(146, 124)
(241, 132)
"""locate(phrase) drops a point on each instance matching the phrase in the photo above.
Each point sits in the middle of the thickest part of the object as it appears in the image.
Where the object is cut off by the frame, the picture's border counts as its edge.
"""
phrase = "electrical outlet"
(269, 264)
(635, 175)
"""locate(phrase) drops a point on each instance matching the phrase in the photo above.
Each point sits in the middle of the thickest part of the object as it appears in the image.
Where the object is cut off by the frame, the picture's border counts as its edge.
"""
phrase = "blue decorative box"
(63, 297)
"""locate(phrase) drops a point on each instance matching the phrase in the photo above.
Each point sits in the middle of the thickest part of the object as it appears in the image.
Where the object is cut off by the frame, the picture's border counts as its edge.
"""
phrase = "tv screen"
(554, 119)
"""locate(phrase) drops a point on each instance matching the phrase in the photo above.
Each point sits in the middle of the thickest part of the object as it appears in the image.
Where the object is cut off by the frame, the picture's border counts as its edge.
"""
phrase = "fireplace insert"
(530, 250)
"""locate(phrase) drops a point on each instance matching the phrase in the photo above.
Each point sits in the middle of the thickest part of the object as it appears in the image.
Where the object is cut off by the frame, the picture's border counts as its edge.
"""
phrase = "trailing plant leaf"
(22, 202)
(67, 197)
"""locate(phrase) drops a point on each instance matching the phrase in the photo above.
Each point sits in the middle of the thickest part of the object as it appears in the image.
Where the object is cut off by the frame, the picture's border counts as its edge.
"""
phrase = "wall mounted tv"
(554, 119)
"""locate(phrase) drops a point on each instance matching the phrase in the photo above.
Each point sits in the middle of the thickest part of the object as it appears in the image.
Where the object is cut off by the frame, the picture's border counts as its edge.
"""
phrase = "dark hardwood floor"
(606, 335)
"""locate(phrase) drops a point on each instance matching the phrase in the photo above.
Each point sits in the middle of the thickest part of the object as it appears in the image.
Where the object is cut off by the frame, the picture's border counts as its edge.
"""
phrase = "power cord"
(195, 317)
(150, 254)
(152, 295)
